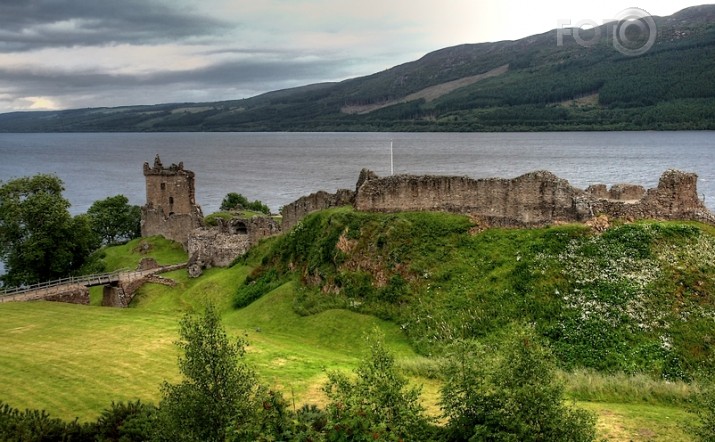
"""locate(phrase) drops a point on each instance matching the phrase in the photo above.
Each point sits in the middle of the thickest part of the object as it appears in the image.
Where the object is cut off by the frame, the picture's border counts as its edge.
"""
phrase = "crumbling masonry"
(170, 209)
(534, 199)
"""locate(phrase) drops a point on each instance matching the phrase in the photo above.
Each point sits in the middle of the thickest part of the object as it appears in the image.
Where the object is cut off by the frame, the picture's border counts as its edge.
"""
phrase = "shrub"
(511, 394)
(377, 404)
(37, 425)
(126, 422)
(234, 201)
(704, 409)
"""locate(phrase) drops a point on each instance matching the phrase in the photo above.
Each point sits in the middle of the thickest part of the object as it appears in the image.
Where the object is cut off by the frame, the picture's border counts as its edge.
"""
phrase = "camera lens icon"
(634, 32)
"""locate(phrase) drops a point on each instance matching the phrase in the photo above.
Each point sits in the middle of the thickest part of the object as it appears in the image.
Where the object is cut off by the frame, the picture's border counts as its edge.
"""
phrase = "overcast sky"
(58, 54)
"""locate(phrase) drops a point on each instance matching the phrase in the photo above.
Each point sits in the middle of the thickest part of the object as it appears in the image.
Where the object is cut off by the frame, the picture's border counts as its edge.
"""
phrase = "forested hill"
(542, 82)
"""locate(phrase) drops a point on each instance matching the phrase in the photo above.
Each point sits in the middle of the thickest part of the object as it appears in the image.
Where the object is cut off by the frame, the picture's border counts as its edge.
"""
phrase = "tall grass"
(592, 386)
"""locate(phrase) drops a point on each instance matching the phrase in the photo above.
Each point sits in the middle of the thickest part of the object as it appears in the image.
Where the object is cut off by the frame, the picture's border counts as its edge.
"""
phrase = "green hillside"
(628, 313)
(636, 298)
(535, 83)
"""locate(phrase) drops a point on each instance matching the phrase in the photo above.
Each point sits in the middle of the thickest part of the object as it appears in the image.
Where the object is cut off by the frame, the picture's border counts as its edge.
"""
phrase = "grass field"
(73, 361)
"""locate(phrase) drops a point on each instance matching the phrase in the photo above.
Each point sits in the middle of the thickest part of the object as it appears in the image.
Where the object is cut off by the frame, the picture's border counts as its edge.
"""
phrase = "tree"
(234, 201)
(115, 220)
(39, 239)
(509, 395)
(218, 396)
(376, 405)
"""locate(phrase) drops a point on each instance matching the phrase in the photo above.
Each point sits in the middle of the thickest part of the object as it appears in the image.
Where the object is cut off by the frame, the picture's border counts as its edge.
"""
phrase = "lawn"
(73, 361)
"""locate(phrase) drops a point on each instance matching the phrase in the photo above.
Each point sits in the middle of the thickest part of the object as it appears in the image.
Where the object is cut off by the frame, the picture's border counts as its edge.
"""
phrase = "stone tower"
(170, 208)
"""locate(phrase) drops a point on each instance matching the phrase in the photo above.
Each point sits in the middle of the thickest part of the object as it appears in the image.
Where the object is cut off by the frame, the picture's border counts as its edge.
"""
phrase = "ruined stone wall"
(171, 210)
(532, 199)
(210, 247)
(675, 198)
(536, 198)
(297, 210)
(219, 246)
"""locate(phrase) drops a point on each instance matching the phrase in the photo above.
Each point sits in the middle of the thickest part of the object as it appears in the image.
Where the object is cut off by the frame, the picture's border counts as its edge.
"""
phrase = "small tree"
(218, 396)
(115, 220)
(509, 395)
(376, 405)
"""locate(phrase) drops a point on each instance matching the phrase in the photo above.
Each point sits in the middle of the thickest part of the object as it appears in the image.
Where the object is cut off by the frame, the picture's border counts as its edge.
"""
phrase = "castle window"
(171, 200)
(163, 186)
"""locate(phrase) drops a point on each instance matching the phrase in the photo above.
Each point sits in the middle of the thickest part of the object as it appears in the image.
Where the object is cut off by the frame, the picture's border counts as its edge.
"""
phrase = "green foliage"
(704, 408)
(511, 394)
(589, 385)
(36, 425)
(114, 220)
(255, 286)
(39, 240)
(126, 422)
(236, 201)
(218, 394)
(378, 404)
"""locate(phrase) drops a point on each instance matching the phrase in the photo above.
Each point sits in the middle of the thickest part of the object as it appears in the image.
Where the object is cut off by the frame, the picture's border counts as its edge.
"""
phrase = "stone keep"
(170, 210)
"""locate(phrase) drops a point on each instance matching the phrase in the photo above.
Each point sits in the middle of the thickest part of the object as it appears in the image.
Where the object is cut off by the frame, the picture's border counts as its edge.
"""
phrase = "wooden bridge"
(49, 289)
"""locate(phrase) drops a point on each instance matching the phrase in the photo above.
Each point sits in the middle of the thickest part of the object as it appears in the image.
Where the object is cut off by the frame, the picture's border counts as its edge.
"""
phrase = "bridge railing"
(96, 279)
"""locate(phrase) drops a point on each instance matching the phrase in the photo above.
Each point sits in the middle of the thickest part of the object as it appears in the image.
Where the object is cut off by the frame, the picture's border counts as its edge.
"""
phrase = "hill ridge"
(669, 86)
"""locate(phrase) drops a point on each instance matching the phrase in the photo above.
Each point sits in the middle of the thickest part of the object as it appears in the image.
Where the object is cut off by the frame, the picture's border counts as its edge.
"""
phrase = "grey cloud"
(253, 75)
(33, 24)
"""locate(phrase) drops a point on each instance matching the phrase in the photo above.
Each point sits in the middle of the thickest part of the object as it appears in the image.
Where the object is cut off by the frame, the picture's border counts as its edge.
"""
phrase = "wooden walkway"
(49, 288)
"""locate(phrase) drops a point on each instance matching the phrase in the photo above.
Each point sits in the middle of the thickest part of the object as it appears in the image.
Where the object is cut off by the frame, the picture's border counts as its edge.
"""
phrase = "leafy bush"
(376, 405)
(37, 425)
(256, 285)
(704, 409)
(236, 201)
(510, 394)
(126, 422)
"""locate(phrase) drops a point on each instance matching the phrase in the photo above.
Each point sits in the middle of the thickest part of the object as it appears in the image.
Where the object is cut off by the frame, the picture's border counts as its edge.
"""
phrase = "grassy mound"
(636, 298)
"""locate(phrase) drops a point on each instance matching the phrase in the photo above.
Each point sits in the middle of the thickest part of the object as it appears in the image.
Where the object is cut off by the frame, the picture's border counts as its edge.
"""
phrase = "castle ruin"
(534, 199)
(170, 210)
(531, 200)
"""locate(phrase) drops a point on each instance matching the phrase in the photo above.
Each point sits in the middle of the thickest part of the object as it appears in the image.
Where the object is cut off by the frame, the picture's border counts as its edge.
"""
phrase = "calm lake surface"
(278, 168)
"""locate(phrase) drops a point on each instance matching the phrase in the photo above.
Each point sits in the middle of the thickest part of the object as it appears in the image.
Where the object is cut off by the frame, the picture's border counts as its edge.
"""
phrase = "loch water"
(278, 168)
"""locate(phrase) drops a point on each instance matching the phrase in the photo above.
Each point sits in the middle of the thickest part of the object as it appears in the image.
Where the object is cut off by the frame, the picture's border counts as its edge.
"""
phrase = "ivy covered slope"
(635, 298)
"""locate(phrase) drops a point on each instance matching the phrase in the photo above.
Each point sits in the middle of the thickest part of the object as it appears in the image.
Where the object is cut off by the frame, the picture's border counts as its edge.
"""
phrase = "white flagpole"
(392, 169)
